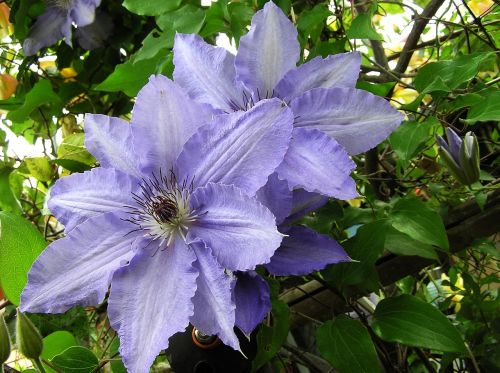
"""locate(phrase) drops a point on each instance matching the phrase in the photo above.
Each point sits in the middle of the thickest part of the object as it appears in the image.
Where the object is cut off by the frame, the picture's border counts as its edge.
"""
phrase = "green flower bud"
(29, 340)
(4, 341)
(461, 156)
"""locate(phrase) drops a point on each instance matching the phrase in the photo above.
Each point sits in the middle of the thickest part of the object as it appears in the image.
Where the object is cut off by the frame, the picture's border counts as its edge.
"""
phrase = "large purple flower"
(328, 110)
(164, 220)
(55, 23)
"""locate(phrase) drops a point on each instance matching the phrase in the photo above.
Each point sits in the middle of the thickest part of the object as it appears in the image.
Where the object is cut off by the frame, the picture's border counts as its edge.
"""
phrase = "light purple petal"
(77, 197)
(77, 269)
(276, 196)
(109, 139)
(214, 309)
(267, 52)
(454, 144)
(304, 202)
(49, 28)
(207, 73)
(304, 251)
(242, 149)
(150, 300)
(339, 70)
(251, 295)
(83, 11)
(358, 120)
(317, 163)
(240, 231)
(164, 117)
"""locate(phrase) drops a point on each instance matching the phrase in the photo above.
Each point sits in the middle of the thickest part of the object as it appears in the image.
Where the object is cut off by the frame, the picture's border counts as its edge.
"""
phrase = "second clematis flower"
(332, 119)
(164, 220)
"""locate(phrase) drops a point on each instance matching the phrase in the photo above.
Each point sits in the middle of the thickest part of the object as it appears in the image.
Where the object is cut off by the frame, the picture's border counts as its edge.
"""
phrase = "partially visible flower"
(93, 35)
(6, 28)
(55, 23)
(165, 220)
(331, 116)
(460, 156)
(454, 294)
(8, 86)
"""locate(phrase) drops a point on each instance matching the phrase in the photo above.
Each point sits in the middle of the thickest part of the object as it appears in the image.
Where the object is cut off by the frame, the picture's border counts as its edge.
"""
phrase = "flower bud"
(29, 340)
(460, 156)
(4, 341)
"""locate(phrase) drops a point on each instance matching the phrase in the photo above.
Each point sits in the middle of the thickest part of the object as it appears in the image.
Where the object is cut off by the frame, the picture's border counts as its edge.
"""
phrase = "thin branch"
(416, 31)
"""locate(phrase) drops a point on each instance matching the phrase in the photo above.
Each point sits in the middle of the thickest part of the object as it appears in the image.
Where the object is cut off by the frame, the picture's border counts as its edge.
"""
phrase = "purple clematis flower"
(302, 250)
(330, 115)
(165, 219)
(55, 23)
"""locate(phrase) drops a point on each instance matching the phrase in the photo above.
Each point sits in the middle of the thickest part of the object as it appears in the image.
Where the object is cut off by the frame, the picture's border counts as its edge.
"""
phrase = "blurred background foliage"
(423, 294)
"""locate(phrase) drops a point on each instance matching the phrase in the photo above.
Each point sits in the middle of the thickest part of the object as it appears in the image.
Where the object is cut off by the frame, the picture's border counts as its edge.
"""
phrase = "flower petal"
(240, 149)
(339, 70)
(83, 11)
(267, 52)
(304, 251)
(49, 27)
(207, 73)
(240, 231)
(319, 164)
(164, 117)
(77, 197)
(276, 196)
(96, 33)
(109, 139)
(150, 300)
(304, 202)
(358, 120)
(251, 295)
(214, 309)
(77, 269)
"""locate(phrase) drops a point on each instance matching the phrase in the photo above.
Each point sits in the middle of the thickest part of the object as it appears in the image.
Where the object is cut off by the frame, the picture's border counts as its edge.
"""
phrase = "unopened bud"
(461, 156)
(4, 341)
(28, 338)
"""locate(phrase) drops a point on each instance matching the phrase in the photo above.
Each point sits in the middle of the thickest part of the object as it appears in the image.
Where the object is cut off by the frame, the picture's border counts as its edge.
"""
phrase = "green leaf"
(402, 244)
(364, 248)
(408, 320)
(153, 44)
(151, 7)
(130, 77)
(40, 168)
(485, 110)
(448, 75)
(414, 218)
(347, 346)
(408, 140)
(20, 244)
(270, 338)
(56, 343)
(76, 359)
(362, 28)
(8, 200)
(311, 22)
(40, 94)
(189, 20)
(72, 148)
(379, 89)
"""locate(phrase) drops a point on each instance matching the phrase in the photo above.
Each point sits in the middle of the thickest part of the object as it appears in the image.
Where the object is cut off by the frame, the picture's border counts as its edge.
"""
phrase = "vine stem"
(39, 365)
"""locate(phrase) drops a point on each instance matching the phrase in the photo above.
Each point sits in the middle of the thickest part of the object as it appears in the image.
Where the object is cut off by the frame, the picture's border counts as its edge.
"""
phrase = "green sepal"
(4, 341)
(452, 166)
(469, 158)
(28, 338)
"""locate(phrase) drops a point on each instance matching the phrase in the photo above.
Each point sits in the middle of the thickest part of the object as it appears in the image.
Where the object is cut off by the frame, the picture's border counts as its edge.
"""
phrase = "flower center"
(164, 212)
